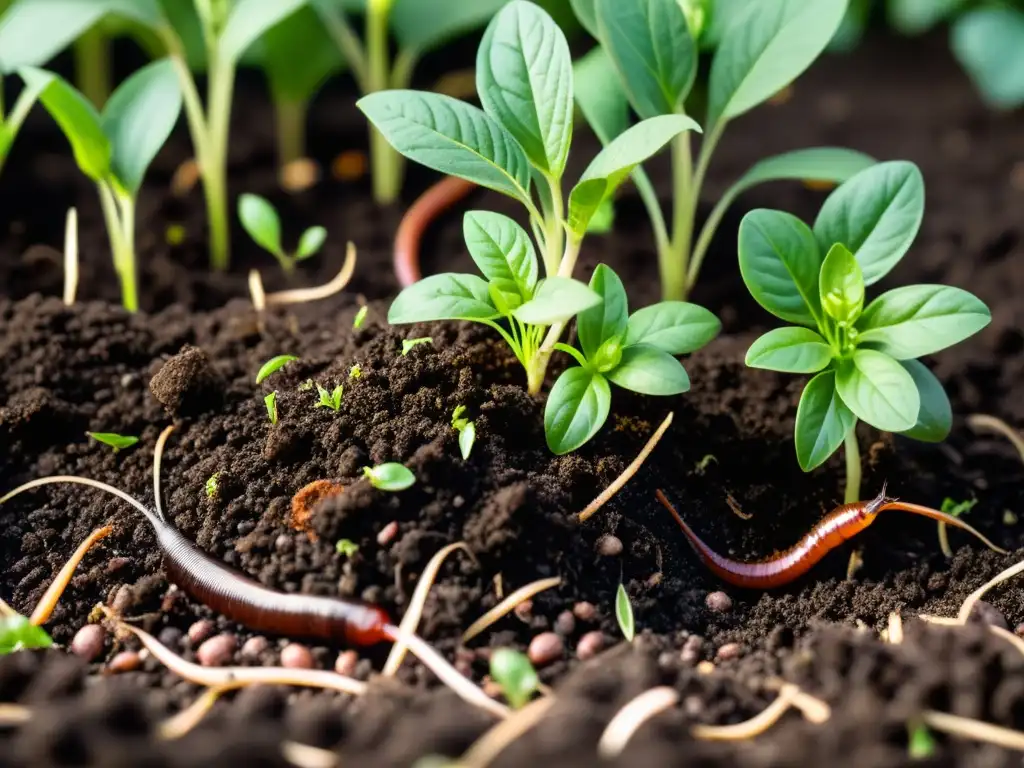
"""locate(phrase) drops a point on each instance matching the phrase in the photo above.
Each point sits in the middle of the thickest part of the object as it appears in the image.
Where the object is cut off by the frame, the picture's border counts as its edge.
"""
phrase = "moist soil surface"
(727, 462)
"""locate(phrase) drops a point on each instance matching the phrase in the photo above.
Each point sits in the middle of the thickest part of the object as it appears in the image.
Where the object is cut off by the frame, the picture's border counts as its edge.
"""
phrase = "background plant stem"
(384, 165)
(92, 66)
(291, 129)
(852, 451)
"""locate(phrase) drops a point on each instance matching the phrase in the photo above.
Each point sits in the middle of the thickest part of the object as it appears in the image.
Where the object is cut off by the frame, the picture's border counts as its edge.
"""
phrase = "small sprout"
(391, 476)
(261, 221)
(466, 430)
(355, 371)
(515, 674)
(624, 614)
(213, 485)
(17, 633)
(114, 440)
(346, 547)
(957, 508)
(408, 344)
(1009, 517)
(271, 402)
(273, 365)
(306, 386)
(920, 742)
(702, 465)
(360, 317)
(174, 235)
(330, 399)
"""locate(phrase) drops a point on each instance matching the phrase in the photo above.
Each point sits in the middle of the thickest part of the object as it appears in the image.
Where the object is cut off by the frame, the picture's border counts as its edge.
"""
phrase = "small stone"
(217, 651)
(719, 602)
(88, 642)
(524, 611)
(170, 637)
(346, 663)
(125, 661)
(565, 624)
(729, 651)
(458, 501)
(284, 544)
(200, 631)
(296, 656)
(545, 648)
(584, 611)
(705, 667)
(609, 546)
(254, 647)
(985, 613)
(590, 645)
(387, 533)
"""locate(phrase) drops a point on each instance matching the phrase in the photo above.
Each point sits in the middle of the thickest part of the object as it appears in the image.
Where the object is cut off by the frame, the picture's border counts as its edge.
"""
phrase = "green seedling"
(517, 145)
(920, 742)
(954, 508)
(409, 344)
(624, 613)
(213, 486)
(114, 440)
(273, 365)
(360, 318)
(391, 476)
(466, 430)
(515, 674)
(346, 547)
(636, 353)
(647, 62)
(330, 399)
(271, 402)
(11, 122)
(261, 221)
(17, 633)
(306, 386)
(355, 371)
(115, 148)
(864, 358)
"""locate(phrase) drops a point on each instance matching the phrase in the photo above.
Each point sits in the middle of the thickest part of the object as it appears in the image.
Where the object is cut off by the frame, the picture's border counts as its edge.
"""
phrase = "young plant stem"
(92, 66)
(12, 124)
(385, 166)
(554, 230)
(695, 258)
(351, 47)
(852, 451)
(213, 167)
(674, 259)
(290, 117)
(119, 213)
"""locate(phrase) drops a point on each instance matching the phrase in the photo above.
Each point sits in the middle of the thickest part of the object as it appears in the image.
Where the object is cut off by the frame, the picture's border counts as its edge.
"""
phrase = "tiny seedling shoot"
(408, 345)
(515, 674)
(329, 398)
(624, 613)
(864, 358)
(260, 220)
(270, 401)
(466, 430)
(115, 441)
(647, 59)
(346, 547)
(360, 318)
(273, 365)
(390, 476)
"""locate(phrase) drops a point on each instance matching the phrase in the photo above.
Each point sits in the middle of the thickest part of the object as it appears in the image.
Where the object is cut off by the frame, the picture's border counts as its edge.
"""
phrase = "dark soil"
(193, 361)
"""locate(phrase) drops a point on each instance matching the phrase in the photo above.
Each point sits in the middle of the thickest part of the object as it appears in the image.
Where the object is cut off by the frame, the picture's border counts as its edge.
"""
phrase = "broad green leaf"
(780, 262)
(299, 56)
(586, 13)
(653, 51)
(556, 299)
(914, 17)
(312, 240)
(724, 14)
(114, 440)
(876, 214)
(17, 633)
(935, 419)
(272, 366)
(599, 95)
(149, 13)
(790, 350)
(822, 421)
(676, 327)
(503, 252)
(765, 50)
(524, 79)
(451, 137)
(617, 160)
(878, 390)
(841, 285)
(390, 476)
(138, 119)
(443, 297)
(605, 320)
(649, 371)
(624, 614)
(576, 409)
(851, 29)
(247, 22)
(989, 44)
(261, 222)
(76, 117)
(917, 320)
(421, 27)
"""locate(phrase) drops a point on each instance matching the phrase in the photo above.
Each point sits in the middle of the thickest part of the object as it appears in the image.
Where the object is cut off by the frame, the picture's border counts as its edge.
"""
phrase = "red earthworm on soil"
(428, 206)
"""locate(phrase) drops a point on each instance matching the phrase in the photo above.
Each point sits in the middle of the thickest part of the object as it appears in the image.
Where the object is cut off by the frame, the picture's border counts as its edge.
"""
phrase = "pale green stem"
(9, 129)
(92, 66)
(291, 129)
(673, 265)
(538, 367)
(852, 451)
(384, 160)
(554, 230)
(707, 149)
(707, 233)
(119, 214)
(214, 167)
(348, 43)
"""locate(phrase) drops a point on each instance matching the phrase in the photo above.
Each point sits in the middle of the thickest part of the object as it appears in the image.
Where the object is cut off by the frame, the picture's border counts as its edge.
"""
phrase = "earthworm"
(842, 523)
(428, 206)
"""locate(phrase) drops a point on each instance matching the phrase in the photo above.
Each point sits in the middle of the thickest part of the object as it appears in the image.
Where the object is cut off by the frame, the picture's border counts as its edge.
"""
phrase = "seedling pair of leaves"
(635, 352)
(261, 220)
(647, 60)
(466, 430)
(864, 357)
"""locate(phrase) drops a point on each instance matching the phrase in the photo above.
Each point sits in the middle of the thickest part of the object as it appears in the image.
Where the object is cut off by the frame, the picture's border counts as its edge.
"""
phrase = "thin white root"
(895, 635)
(755, 726)
(485, 749)
(812, 708)
(44, 608)
(71, 257)
(306, 756)
(976, 595)
(508, 605)
(158, 458)
(981, 422)
(302, 295)
(256, 292)
(973, 729)
(14, 714)
(177, 725)
(411, 619)
(628, 473)
(628, 720)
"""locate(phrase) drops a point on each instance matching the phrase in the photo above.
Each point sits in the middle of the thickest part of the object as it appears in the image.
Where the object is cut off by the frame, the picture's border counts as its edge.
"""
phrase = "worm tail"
(942, 517)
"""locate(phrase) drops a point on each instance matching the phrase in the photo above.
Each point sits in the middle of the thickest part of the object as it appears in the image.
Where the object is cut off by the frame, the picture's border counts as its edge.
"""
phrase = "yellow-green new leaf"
(790, 350)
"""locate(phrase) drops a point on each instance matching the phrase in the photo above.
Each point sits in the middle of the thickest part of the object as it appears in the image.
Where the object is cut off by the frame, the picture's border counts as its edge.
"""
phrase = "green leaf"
(503, 252)
(780, 262)
(920, 742)
(524, 79)
(989, 44)
(299, 56)
(918, 320)
(790, 350)
(841, 285)
(586, 13)
(649, 371)
(312, 240)
(914, 17)
(273, 365)
(390, 476)
(17, 633)
(467, 436)
(556, 299)
(114, 440)
(138, 119)
(443, 297)
(624, 614)
(247, 22)
(409, 344)
(346, 547)
(767, 48)
(576, 409)
(876, 214)
(653, 51)
(599, 95)
(878, 390)
(676, 327)
(935, 419)
(261, 221)
(452, 137)
(76, 117)
(606, 320)
(617, 160)
(822, 421)
(360, 318)
(421, 27)
(515, 674)
(270, 401)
